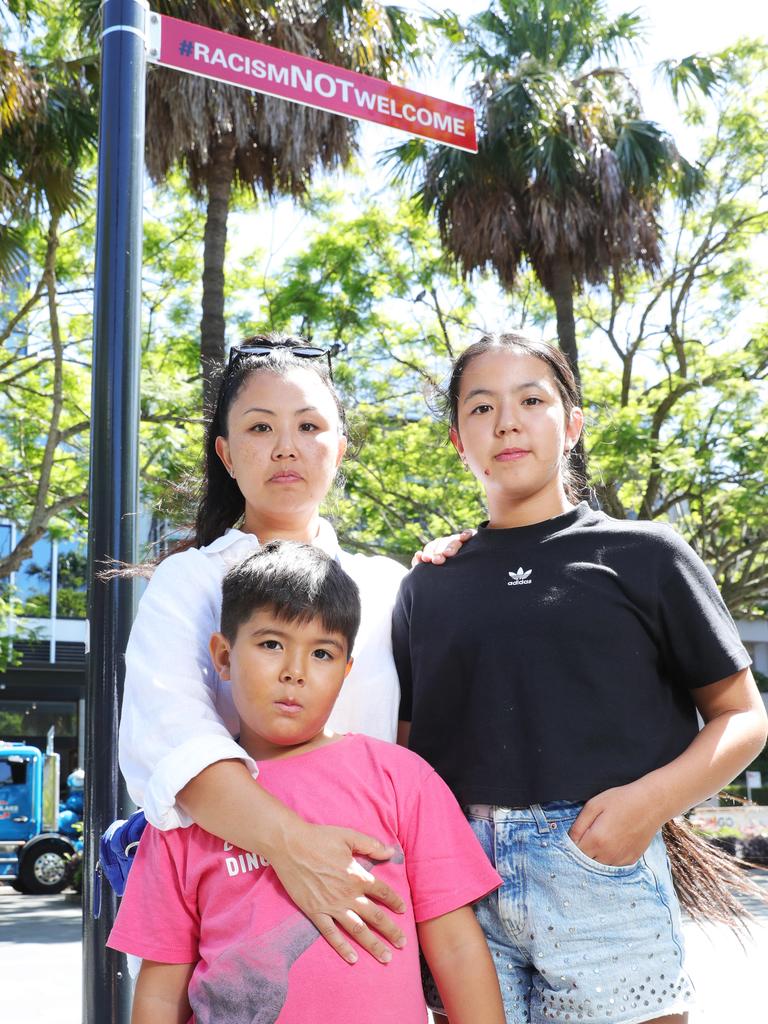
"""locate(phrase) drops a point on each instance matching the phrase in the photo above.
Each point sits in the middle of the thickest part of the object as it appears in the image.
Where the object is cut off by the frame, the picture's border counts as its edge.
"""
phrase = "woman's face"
(283, 447)
(512, 427)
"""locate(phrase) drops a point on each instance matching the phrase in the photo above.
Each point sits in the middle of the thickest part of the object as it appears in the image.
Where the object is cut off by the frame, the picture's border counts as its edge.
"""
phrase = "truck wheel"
(44, 867)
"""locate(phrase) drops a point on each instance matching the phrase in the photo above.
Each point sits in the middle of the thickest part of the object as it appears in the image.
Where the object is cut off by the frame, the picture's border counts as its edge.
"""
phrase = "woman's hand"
(317, 866)
(315, 863)
(616, 827)
(436, 551)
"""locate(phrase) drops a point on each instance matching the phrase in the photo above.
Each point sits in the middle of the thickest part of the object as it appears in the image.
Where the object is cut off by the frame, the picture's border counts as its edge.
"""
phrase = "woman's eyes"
(480, 409)
(263, 428)
(533, 400)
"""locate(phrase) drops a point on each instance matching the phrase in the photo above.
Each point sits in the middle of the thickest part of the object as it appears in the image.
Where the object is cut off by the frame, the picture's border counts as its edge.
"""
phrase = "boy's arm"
(455, 949)
(161, 994)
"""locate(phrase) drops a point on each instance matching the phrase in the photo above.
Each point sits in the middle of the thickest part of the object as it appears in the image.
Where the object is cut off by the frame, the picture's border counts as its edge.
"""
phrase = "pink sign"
(227, 58)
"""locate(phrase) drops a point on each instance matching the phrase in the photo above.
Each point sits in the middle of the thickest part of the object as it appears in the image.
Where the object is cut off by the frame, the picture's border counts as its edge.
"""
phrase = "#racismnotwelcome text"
(209, 53)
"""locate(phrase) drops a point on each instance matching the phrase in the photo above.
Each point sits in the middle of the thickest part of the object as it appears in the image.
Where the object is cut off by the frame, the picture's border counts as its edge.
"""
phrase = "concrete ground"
(40, 959)
(40, 964)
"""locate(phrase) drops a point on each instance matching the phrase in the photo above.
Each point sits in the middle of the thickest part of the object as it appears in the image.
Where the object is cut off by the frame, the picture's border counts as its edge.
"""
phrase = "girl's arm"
(161, 994)
(455, 949)
(616, 827)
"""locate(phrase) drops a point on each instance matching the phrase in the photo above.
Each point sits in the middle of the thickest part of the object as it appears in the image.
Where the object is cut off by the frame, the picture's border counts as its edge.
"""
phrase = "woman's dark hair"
(221, 503)
(297, 583)
(562, 374)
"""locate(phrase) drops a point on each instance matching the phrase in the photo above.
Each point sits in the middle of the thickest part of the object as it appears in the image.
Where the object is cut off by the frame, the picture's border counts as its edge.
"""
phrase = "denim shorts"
(573, 939)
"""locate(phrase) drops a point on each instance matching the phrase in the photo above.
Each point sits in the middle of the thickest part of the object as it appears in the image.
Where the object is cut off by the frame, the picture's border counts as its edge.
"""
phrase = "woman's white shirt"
(178, 716)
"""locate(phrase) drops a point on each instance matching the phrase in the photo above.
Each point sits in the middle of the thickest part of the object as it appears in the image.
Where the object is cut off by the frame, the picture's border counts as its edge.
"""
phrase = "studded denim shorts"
(572, 939)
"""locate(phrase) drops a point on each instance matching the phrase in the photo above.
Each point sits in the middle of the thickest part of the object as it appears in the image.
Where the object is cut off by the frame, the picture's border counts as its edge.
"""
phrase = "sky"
(674, 29)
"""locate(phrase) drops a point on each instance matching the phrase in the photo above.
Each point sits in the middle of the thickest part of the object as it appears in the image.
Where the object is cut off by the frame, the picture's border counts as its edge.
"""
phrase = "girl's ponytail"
(708, 881)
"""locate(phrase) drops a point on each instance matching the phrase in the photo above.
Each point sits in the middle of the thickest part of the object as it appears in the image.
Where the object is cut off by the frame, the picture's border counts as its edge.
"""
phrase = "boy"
(219, 937)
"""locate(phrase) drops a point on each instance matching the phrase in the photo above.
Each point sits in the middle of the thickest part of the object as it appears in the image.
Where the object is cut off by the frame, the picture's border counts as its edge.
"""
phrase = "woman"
(272, 450)
(553, 679)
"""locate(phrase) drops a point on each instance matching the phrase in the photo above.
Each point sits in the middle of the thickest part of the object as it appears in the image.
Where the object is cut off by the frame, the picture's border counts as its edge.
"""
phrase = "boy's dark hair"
(296, 582)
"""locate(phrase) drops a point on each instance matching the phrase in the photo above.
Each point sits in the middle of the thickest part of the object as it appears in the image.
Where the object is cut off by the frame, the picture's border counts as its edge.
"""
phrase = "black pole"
(114, 471)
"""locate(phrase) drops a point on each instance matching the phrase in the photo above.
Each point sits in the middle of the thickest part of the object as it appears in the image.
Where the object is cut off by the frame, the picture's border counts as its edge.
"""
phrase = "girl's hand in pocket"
(616, 827)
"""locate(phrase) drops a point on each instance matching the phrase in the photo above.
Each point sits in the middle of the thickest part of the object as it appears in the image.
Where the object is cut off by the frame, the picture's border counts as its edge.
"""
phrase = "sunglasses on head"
(263, 348)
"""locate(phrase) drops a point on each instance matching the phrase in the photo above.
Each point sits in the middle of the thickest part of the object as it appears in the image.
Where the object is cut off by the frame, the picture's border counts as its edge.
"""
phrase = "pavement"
(40, 958)
(40, 963)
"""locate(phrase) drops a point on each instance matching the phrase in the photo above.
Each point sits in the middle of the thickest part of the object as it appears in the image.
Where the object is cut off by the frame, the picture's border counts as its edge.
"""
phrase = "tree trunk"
(562, 295)
(212, 327)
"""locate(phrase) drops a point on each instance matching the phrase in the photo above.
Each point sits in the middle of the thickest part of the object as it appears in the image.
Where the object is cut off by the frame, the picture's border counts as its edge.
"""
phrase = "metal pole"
(114, 471)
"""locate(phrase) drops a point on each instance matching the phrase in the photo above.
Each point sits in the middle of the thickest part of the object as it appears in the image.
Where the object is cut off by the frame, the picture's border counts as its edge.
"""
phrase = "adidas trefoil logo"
(520, 578)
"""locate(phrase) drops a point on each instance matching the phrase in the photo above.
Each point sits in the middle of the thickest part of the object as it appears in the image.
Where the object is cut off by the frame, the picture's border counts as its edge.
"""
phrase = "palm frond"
(694, 74)
(13, 252)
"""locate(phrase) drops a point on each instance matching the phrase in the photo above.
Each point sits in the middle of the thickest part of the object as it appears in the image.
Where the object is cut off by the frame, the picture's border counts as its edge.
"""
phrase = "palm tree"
(48, 129)
(228, 138)
(568, 175)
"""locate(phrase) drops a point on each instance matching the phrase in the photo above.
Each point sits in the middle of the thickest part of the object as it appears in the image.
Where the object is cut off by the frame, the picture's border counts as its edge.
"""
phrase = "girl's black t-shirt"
(554, 661)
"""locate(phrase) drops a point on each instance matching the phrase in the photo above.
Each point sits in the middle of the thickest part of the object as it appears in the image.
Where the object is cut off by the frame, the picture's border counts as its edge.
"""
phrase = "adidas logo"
(520, 578)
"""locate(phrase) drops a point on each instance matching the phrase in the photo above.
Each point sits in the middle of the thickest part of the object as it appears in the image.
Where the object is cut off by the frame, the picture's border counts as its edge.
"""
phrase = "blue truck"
(37, 835)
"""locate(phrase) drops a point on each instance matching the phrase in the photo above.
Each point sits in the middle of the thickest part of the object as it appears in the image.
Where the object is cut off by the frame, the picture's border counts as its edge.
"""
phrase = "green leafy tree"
(45, 149)
(228, 139)
(569, 174)
(679, 429)
(47, 181)
(377, 284)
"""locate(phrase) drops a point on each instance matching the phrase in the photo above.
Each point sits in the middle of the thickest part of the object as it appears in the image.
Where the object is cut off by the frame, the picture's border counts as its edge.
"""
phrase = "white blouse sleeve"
(170, 728)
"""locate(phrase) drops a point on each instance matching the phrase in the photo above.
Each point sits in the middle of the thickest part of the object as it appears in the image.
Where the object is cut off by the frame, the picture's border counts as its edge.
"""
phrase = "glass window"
(13, 771)
(33, 581)
(22, 718)
(71, 589)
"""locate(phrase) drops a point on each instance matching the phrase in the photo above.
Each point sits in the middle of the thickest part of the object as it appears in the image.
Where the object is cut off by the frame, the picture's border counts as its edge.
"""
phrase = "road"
(40, 964)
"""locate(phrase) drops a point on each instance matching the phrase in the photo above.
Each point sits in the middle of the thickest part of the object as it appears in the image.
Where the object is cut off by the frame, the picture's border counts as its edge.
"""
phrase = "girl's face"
(513, 430)
(283, 447)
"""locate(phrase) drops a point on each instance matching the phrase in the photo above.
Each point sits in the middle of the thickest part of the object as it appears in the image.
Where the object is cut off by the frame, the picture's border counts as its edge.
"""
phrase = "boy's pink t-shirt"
(193, 898)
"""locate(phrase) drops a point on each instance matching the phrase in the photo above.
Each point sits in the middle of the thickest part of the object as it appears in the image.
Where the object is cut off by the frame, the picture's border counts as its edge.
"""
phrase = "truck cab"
(33, 853)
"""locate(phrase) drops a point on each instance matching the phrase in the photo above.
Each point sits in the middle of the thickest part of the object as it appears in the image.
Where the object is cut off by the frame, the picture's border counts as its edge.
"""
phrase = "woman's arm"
(455, 949)
(171, 727)
(315, 863)
(161, 994)
(616, 827)
(182, 763)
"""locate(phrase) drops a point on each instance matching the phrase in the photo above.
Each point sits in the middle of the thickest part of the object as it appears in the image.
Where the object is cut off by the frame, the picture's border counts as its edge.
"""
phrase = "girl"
(553, 679)
(272, 449)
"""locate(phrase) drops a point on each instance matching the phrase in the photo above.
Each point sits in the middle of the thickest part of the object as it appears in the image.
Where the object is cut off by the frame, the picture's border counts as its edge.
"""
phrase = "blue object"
(117, 848)
(31, 856)
(68, 819)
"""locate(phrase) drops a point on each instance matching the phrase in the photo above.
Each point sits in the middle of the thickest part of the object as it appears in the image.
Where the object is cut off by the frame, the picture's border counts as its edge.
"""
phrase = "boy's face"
(285, 679)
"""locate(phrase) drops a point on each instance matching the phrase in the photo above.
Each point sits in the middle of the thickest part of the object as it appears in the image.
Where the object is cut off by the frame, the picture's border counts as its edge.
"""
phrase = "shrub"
(755, 850)
(730, 844)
